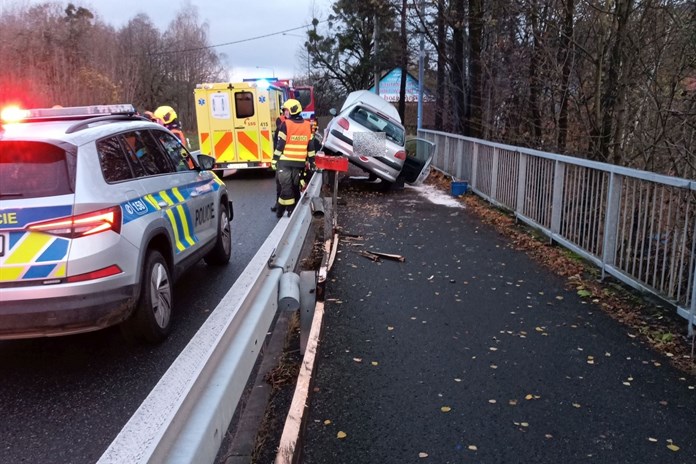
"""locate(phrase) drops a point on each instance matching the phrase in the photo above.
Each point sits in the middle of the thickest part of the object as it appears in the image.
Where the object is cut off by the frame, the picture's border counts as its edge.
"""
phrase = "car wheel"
(222, 251)
(151, 318)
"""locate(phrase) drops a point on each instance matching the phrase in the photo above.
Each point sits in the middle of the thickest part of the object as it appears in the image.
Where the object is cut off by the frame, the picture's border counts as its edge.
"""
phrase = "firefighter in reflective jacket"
(295, 147)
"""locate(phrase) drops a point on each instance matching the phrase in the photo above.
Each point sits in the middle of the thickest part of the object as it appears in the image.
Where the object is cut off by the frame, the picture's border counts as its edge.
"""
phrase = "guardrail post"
(308, 301)
(611, 221)
(521, 183)
(557, 197)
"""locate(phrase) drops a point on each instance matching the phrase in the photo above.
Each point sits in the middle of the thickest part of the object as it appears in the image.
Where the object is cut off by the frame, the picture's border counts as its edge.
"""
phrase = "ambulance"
(236, 123)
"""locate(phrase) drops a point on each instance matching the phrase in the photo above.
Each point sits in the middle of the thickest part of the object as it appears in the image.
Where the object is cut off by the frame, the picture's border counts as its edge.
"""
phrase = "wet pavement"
(469, 351)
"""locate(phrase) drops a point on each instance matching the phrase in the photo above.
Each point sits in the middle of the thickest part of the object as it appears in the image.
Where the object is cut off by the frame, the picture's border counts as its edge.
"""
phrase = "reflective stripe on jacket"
(295, 143)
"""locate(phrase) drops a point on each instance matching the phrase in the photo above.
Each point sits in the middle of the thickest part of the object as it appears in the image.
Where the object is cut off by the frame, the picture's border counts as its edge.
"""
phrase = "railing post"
(521, 183)
(460, 156)
(494, 175)
(557, 197)
(445, 161)
(611, 222)
(474, 166)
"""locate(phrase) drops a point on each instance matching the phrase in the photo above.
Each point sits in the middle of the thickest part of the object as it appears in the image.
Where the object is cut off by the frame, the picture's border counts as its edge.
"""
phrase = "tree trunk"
(474, 111)
(458, 78)
(567, 56)
(441, 60)
(614, 87)
(404, 64)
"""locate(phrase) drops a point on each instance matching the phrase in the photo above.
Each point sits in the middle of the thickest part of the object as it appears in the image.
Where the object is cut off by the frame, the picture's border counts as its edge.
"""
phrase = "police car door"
(197, 190)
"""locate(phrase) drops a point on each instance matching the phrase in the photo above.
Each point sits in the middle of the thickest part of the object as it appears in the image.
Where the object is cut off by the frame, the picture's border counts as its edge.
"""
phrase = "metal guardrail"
(185, 417)
(637, 226)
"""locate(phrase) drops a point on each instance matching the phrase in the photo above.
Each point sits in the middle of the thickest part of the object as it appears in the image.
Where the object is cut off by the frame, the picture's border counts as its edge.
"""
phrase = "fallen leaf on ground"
(341, 435)
(422, 455)
(473, 447)
(445, 409)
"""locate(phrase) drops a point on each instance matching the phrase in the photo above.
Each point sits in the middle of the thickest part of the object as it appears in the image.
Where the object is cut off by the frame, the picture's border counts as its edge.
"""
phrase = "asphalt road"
(63, 400)
(470, 352)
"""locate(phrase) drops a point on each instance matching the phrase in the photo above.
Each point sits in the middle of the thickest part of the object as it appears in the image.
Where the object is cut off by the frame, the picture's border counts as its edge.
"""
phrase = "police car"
(100, 212)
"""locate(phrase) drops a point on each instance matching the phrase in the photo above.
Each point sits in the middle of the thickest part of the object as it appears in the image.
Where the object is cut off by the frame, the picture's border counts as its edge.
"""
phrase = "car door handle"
(162, 204)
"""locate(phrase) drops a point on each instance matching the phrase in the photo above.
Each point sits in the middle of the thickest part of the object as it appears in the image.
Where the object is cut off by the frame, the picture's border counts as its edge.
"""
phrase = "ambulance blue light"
(262, 84)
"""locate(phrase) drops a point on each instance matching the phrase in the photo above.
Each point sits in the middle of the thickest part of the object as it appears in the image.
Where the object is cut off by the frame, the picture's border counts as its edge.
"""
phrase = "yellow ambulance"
(236, 123)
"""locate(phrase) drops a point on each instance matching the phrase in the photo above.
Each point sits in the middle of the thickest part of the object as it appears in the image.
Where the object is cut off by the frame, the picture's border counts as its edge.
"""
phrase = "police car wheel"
(151, 318)
(222, 251)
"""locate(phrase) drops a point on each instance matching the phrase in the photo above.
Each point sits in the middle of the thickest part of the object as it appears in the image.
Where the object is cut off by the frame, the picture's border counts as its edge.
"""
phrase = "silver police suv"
(100, 212)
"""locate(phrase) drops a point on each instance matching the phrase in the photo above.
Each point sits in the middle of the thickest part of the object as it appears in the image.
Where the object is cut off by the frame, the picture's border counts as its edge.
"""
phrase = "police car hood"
(372, 99)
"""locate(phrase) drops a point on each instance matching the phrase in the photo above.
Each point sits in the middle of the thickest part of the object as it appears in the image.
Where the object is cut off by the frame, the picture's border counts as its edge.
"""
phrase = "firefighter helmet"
(166, 114)
(293, 106)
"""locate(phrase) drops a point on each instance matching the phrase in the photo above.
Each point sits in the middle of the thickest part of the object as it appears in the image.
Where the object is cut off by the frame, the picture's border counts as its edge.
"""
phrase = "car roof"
(57, 130)
(372, 99)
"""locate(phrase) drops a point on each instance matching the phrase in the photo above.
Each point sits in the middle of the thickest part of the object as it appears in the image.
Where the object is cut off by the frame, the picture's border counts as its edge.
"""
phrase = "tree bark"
(474, 110)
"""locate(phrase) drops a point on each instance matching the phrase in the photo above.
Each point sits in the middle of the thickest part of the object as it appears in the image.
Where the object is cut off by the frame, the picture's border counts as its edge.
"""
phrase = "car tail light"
(343, 122)
(106, 272)
(400, 155)
(82, 224)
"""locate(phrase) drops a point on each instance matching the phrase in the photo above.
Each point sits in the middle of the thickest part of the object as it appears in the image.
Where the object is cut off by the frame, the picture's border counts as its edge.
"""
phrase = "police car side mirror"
(206, 162)
(333, 112)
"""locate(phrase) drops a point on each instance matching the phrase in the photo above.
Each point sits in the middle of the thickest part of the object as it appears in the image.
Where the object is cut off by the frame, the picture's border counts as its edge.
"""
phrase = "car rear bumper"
(48, 317)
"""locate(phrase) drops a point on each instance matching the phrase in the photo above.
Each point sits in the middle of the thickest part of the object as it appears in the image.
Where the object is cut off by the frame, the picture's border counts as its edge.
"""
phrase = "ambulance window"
(113, 160)
(33, 170)
(244, 104)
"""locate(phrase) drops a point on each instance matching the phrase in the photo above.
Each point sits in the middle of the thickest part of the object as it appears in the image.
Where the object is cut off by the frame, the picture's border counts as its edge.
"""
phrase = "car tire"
(151, 318)
(222, 251)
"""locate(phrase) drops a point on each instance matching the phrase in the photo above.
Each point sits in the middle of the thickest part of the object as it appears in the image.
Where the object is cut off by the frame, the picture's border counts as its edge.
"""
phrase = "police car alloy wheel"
(151, 318)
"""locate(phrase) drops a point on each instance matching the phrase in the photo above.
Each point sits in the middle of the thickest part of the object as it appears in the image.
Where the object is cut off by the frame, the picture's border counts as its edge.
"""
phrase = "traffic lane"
(65, 399)
(525, 370)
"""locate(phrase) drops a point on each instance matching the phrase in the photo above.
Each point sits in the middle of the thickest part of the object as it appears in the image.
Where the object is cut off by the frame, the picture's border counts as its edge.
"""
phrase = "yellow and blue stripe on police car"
(29, 255)
(175, 210)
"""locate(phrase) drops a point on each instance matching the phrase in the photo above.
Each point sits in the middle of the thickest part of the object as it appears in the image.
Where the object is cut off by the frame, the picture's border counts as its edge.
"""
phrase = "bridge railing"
(635, 225)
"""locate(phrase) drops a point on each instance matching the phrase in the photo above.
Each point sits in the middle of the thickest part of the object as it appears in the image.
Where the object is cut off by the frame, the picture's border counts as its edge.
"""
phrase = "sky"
(228, 21)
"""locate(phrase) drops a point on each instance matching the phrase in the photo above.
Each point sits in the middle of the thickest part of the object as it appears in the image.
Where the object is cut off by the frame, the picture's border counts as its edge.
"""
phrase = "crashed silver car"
(368, 131)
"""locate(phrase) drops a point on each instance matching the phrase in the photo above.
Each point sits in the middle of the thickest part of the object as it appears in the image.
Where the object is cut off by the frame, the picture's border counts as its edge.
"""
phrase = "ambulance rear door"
(247, 127)
(216, 125)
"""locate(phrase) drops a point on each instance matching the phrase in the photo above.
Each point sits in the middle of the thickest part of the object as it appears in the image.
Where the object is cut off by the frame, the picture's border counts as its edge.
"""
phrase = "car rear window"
(34, 170)
(376, 122)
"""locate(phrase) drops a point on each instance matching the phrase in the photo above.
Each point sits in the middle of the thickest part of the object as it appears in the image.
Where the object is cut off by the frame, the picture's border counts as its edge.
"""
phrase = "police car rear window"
(33, 170)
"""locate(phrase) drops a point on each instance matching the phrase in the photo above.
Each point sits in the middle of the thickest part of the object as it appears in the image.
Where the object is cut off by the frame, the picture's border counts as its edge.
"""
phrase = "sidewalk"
(468, 351)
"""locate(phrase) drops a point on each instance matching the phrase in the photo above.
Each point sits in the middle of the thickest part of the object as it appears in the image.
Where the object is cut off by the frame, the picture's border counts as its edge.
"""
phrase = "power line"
(233, 42)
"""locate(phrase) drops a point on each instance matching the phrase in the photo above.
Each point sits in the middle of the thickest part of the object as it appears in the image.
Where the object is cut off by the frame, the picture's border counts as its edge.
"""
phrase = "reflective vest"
(298, 135)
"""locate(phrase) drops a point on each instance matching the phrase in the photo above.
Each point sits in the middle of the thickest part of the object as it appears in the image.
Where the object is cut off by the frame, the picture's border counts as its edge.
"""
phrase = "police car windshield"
(33, 170)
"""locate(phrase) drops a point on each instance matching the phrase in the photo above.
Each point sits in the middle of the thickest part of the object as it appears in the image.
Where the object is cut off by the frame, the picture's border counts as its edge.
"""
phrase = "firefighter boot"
(280, 209)
(290, 210)
(274, 207)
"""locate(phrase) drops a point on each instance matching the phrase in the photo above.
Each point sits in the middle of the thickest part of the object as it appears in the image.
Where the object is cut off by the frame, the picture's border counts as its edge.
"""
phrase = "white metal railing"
(635, 225)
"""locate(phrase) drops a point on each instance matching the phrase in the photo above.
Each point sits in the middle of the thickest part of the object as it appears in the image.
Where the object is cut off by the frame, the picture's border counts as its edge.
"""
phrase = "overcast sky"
(228, 21)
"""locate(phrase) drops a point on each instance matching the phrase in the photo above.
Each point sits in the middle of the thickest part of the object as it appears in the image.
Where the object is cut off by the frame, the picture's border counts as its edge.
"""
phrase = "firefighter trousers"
(289, 180)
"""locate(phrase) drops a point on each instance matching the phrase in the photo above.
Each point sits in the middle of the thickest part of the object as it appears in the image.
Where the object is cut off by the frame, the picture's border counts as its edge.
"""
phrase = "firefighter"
(295, 148)
(171, 121)
(284, 115)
